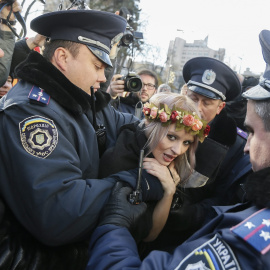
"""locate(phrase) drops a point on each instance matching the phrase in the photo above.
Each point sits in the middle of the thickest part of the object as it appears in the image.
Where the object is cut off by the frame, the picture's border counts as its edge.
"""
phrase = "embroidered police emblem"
(208, 76)
(214, 254)
(39, 136)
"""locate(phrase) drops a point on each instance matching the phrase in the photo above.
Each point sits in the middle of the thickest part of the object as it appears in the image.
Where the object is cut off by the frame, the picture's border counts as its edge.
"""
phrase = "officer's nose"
(102, 77)
(200, 106)
(246, 148)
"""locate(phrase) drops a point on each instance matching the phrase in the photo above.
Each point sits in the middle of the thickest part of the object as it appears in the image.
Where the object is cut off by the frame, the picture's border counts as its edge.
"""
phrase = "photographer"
(133, 103)
(7, 39)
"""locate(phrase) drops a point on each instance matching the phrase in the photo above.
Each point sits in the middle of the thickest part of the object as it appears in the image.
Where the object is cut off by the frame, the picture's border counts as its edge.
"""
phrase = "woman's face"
(174, 144)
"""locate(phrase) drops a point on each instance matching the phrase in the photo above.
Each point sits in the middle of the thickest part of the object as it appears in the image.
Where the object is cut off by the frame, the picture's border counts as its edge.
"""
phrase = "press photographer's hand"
(116, 86)
(16, 7)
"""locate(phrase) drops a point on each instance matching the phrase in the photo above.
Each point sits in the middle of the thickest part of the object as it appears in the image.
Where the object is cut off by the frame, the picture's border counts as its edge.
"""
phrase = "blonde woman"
(169, 134)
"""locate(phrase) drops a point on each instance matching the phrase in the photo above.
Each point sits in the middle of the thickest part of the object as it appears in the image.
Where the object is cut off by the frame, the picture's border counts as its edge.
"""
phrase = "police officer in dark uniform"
(52, 127)
(238, 238)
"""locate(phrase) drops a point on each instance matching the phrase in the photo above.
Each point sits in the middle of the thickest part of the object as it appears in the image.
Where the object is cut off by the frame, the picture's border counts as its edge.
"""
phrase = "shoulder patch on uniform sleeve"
(255, 230)
(39, 136)
(213, 254)
(37, 95)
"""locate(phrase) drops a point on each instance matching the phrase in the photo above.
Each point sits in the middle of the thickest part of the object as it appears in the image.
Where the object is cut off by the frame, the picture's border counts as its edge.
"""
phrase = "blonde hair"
(155, 132)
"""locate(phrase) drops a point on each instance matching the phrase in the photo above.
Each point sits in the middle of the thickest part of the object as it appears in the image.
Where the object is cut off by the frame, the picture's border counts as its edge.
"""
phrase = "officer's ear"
(221, 105)
(60, 58)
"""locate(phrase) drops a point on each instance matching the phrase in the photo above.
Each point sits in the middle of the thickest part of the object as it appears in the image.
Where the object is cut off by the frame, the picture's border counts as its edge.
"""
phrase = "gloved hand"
(120, 212)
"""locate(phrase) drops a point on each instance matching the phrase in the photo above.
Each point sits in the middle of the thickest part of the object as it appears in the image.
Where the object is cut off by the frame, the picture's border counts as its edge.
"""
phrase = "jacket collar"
(258, 188)
(38, 71)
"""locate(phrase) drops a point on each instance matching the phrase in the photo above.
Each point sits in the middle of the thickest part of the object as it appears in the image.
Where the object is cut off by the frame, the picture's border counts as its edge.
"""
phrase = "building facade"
(179, 53)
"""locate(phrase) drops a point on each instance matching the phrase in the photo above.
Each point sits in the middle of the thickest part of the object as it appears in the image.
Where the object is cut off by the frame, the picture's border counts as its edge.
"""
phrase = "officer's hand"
(36, 41)
(116, 86)
(120, 212)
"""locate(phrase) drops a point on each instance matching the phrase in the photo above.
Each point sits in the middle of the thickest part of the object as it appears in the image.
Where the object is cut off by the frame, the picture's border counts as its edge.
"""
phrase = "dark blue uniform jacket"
(49, 154)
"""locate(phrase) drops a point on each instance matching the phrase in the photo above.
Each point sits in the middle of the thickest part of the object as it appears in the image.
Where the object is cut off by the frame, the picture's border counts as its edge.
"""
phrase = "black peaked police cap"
(211, 78)
(96, 29)
(262, 90)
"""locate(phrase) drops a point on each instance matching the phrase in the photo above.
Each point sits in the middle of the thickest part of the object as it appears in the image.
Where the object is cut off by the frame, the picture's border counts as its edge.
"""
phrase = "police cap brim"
(256, 93)
(204, 92)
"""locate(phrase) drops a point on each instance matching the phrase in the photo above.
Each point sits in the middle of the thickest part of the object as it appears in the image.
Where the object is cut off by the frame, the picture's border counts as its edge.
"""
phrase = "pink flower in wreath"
(174, 116)
(153, 113)
(188, 120)
(197, 125)
(163, 117)
(146, 109)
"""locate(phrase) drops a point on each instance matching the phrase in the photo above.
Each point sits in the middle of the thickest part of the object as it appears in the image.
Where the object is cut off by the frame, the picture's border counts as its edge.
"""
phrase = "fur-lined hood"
(37, 70)
(258, 188)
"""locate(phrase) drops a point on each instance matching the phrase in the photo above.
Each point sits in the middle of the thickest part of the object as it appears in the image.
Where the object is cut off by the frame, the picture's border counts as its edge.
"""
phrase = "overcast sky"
(231, 24)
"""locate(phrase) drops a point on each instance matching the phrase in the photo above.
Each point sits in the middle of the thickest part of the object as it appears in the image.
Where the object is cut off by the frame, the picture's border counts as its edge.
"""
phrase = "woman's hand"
(174, 173)
(168, 180)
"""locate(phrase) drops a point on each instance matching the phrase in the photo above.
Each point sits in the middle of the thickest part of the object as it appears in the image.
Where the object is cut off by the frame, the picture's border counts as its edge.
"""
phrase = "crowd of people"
(73, 157)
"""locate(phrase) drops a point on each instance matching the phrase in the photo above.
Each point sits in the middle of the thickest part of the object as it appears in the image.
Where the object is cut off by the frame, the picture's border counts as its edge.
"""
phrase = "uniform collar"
(38, 71)
(258, 188)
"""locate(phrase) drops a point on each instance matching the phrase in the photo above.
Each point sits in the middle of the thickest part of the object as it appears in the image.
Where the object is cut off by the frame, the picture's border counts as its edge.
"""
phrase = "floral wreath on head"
(190, 121)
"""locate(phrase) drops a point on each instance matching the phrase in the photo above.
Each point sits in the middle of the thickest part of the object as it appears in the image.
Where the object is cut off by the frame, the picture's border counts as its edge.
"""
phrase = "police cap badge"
(211, 78)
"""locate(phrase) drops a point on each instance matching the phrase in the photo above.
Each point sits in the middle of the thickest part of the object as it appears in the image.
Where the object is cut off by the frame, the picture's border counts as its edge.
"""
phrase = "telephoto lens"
(133, 82)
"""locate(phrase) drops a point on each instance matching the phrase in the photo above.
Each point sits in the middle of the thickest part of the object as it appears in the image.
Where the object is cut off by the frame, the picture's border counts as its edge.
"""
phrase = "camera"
(129, 34)
(133, 82)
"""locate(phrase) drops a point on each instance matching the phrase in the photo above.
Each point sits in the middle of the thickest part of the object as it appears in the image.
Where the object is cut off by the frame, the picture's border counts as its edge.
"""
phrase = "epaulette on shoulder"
(255, 230)
(242, 133)
(38, 96)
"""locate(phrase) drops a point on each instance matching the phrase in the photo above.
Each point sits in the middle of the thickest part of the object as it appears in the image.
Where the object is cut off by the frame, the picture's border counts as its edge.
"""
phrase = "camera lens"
(134, 84)
(127, 38)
